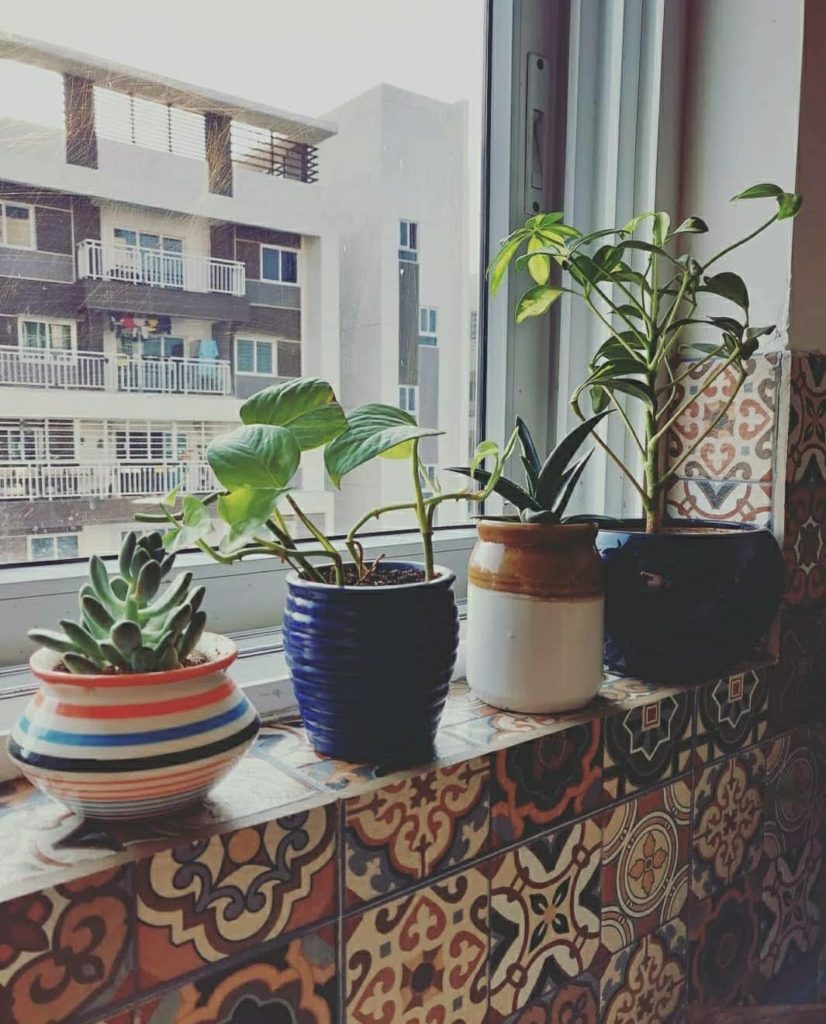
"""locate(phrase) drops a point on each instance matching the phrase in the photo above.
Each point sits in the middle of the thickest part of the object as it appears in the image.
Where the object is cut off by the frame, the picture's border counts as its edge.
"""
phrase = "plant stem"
(326, 544)
(422, 517)
(736, 245)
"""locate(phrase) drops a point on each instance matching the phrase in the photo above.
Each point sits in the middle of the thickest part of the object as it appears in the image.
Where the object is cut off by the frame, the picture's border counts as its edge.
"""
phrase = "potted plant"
(371, 646)
(683, 601)
(535, 587)
(136, 715)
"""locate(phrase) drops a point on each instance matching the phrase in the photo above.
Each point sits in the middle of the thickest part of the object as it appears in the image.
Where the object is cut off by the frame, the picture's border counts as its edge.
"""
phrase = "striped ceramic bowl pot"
(133, 746)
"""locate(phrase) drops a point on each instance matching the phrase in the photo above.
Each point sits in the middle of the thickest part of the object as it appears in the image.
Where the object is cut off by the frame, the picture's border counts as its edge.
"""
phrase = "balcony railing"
(47, 368)
(134, 265)
(38, 481)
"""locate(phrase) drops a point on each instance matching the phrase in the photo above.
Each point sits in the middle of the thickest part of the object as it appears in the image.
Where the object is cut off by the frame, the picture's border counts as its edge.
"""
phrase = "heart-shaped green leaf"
(728, 286)
(307, 406)
(371, 430)
(255, 456)
(246, 511)
(196, 525)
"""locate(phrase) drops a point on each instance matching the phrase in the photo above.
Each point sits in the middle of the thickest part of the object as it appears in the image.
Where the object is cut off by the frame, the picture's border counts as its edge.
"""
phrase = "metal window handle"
(536, 122)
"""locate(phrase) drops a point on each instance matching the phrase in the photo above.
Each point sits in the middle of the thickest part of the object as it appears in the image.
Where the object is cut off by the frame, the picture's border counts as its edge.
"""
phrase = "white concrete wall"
(741, 127)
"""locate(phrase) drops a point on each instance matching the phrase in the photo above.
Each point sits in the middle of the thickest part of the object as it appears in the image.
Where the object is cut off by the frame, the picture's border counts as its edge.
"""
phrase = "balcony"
(181, 272)
(92, 371)
(46, 481)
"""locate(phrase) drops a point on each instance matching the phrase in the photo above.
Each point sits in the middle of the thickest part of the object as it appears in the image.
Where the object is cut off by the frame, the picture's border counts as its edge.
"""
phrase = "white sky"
(305, 56)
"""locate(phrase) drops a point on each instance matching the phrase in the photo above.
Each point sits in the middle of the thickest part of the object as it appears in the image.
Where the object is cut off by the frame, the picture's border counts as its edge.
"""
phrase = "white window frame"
(33, 537)
(406, 391)
(429, 332)
(409, 253)
(256, 340)
(280, 249)
(32, 226)
(27, 353)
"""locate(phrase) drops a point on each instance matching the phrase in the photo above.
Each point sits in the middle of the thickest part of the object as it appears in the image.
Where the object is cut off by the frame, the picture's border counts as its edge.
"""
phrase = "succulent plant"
(126, 623)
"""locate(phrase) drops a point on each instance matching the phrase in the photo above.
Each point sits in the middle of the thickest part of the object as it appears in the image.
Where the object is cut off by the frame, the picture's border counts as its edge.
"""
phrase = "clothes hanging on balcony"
(164, 325)
(207, 356)
(207, 349)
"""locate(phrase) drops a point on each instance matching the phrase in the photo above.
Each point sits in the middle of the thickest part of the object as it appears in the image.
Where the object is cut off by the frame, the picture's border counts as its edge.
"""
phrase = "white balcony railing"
(33, 481)
(46, 368)
(179, 271)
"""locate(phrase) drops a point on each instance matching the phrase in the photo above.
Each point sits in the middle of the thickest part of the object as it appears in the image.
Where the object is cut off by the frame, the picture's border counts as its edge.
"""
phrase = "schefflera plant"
(648, 295)
(127, 624)
(256, 466)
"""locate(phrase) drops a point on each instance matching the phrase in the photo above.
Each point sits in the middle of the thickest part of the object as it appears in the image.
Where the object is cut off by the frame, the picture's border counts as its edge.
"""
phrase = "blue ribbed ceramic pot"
(687, 604)
(371, 665)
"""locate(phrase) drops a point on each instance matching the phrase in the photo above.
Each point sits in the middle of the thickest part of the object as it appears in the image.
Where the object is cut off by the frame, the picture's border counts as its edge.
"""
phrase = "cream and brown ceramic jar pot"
(535, 616)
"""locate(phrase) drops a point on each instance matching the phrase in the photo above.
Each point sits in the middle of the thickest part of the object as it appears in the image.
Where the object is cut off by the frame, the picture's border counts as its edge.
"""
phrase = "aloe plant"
(256, 466)
(127, 624)
(646, 293)
(550, 482)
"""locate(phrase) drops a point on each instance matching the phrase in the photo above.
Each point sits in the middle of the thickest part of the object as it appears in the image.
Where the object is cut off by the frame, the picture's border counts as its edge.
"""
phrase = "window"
(428, 331)
(256, 357)
(279, 265)
(49, 546)
(149, 258)
(408, 241)
(408, 398)
(46, 335)
(17, 225)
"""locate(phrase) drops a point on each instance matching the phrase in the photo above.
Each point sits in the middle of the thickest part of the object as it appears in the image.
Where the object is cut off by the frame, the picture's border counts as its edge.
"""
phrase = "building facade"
(160, 261)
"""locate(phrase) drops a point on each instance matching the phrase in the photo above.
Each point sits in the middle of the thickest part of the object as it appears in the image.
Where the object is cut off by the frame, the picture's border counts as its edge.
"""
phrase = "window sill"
(42, 845)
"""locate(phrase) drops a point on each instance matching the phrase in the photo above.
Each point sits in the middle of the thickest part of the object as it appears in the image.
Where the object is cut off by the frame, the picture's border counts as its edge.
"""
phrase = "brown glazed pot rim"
(536, 535)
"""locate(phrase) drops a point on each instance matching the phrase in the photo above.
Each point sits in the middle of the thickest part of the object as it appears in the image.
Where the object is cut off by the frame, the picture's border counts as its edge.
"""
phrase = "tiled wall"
(609, 872)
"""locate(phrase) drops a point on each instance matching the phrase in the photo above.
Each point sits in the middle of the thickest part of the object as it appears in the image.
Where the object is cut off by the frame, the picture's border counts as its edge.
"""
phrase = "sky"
(305, 56)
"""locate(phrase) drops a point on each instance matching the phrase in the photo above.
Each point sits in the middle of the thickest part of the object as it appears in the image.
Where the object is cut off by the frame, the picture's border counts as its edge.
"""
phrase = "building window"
(428, 330)
(408, 241)
(255, 357)
(17, 225)
(49, 546)
(46, 335)
(279, 265)
(408, 398)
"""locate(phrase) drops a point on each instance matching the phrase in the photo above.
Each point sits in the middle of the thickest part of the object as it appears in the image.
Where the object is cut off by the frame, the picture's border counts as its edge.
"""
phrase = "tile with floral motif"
(646, 980)
(415, 828)
(545, 782)
(421, 957)
(68, 950)
(720, 501)
(645, 847)
(727, 835)
(647, 743)
(545, 916)
(732, 713)
(795, 794)
(574, 1002)
(218, 896)
(807, 417)
(294, 982)
(804, 541)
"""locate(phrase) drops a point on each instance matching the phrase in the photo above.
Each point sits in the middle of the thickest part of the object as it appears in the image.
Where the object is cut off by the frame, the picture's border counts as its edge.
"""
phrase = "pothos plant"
(652, 300)
(256, 467)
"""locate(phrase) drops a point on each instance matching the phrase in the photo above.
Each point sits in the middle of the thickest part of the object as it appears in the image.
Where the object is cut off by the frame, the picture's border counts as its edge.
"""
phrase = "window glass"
(332, 230)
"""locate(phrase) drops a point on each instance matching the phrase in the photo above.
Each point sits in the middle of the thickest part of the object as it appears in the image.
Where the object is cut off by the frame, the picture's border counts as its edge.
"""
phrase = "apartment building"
(163, 256)
(396, 187)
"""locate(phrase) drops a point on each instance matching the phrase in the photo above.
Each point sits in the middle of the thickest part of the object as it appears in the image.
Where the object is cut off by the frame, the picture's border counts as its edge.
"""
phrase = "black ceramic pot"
(371, 666)
(687, 604)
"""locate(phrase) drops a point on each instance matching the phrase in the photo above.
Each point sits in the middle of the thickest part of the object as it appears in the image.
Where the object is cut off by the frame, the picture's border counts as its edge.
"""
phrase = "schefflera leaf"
(258, 456)
(372, 430)
(306, 406)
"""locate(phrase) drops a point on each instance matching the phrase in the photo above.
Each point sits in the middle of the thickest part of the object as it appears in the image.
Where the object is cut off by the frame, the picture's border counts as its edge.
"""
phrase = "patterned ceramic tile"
(545, 916)
(807, 419)
(574, 1002)
(645, 844)
(741, 445)
(294, 983)
(732, 713)
(727, 836)
(796, 691)
(720, 501)
(725, 933)
(219, 896)
(67, 950)
(545, 782)
(804, 541)
(645, 982)
(794, 793)
(421, 957)
(646, 744)
(791, 906)
(463, 705)
(414, 829)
